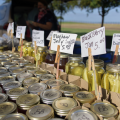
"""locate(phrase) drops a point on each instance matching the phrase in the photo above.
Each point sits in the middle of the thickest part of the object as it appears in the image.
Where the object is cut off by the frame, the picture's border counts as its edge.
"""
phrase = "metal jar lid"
(82, 114)
(55, 119)
(69, 89)
(51, 51)
(10, 85)
(63, 105)
(75, 57)
(15, 116)
(15, 67)
(105, 110)
(49, 95)
(40, 112)
(7, 108)
(9, 64)
(6, 79)
(16, 92)
(3, 97)
(22, 76)
(27, 100)
(32, 69)
(2, 69)
(17, 60)
(1, 65)
(37, 87)
(30, 65)
(3, 74)
(84, 96)
(54, 83)
(4, 61)
(63, 55)
(30, 81)
(4, 58)
(18, 71)
(23, 62)
(40, 72)
(3, 55)
(47, 77)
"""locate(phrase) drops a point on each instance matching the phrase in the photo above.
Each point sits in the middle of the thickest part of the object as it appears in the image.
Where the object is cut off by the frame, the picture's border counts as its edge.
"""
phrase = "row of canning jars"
(74, 65)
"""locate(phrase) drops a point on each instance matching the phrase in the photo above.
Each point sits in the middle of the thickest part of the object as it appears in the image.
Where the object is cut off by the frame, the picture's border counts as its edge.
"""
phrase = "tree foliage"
(104, 6)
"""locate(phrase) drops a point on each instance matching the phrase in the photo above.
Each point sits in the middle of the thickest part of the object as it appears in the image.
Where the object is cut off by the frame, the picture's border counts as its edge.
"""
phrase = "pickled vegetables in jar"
(89, 75)
(27, 48)
(75, 65)
(111, 79)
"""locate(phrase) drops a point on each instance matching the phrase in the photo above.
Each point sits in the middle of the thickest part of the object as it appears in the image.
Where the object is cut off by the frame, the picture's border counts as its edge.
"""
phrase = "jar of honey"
(75, 65)
(27, 48)
(63, 61)
(50, 58)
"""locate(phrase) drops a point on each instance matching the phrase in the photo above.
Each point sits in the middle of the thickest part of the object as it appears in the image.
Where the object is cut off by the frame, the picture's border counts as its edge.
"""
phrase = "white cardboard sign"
(20, 30)
(65, 40)
(115, 41)
(50, 35)
(94, 40)
(10, 27)
(38, 36)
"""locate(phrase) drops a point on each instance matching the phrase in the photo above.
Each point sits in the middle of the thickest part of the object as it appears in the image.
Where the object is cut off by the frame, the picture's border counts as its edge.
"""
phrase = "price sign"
(115, 41)
(20, 30)
(50, 35)
(10, 27)
(94, 40)
(65, 40)
(38, 36)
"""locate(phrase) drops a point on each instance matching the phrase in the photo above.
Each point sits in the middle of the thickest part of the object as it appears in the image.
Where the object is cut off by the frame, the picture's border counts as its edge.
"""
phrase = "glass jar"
(75, 65)
(111, 78)
(50, 58)
(19, 47)
(1, 49)
(89, 75)
(63, 61)
(27, 48)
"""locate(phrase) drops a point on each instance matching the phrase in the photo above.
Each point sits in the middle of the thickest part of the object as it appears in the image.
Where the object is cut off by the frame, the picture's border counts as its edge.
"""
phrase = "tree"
(104, 6)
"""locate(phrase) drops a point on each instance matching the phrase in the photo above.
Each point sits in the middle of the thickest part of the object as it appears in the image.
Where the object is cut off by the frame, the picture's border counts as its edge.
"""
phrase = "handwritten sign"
(115, 41)
(94, 40)
(10, 27)
(65, 40)
(38, 36)
(20, 30)
(50, 35)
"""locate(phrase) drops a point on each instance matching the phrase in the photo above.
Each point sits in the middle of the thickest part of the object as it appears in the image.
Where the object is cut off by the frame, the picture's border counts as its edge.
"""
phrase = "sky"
(78, 15)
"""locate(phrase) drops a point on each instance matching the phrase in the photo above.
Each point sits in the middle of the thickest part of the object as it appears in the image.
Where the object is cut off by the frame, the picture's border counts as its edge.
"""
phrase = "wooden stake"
(20, 39)
(89, 59)
(21, 52)
(95, 81)
(50, 44)
(116, 50)
(35, 47)
(57, 60)
(13, 48)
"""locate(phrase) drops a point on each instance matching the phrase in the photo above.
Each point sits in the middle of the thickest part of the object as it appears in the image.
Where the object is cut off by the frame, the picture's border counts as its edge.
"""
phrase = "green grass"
(81, 32)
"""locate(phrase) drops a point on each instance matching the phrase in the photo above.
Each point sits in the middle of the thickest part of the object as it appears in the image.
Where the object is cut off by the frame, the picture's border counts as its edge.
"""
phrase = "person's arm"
(46, 26)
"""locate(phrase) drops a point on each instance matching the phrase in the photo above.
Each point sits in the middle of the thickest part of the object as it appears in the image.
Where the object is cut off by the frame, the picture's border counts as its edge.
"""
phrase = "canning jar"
(63, 61)
(111, 78)
(89, 75)
(26, 48)
(50, 58)
(75, 65)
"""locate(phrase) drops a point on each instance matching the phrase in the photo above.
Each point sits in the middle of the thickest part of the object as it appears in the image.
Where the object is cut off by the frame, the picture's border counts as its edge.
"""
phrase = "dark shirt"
(49, 17)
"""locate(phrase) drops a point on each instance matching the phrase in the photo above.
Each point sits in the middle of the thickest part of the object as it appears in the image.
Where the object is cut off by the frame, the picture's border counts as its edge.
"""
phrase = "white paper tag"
(94, 40)
(65, 40)
(10, 27)
(115, 41)
(20, 30)
(38, 36)
(50, 35)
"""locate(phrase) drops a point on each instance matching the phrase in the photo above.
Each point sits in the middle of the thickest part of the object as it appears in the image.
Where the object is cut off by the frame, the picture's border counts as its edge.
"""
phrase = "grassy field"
(83, 28)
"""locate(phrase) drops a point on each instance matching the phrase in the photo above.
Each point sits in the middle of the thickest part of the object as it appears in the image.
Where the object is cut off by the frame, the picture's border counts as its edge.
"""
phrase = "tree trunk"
(102, 21)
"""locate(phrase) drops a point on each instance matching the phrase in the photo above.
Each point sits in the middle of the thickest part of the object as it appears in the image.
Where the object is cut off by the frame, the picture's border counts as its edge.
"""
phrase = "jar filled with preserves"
(27, 48)
(63, 61)
(111, 78)
(1, 48)
(50, 58)
(42, 53)
(26, 101)
(75, 65)
(89, 75)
